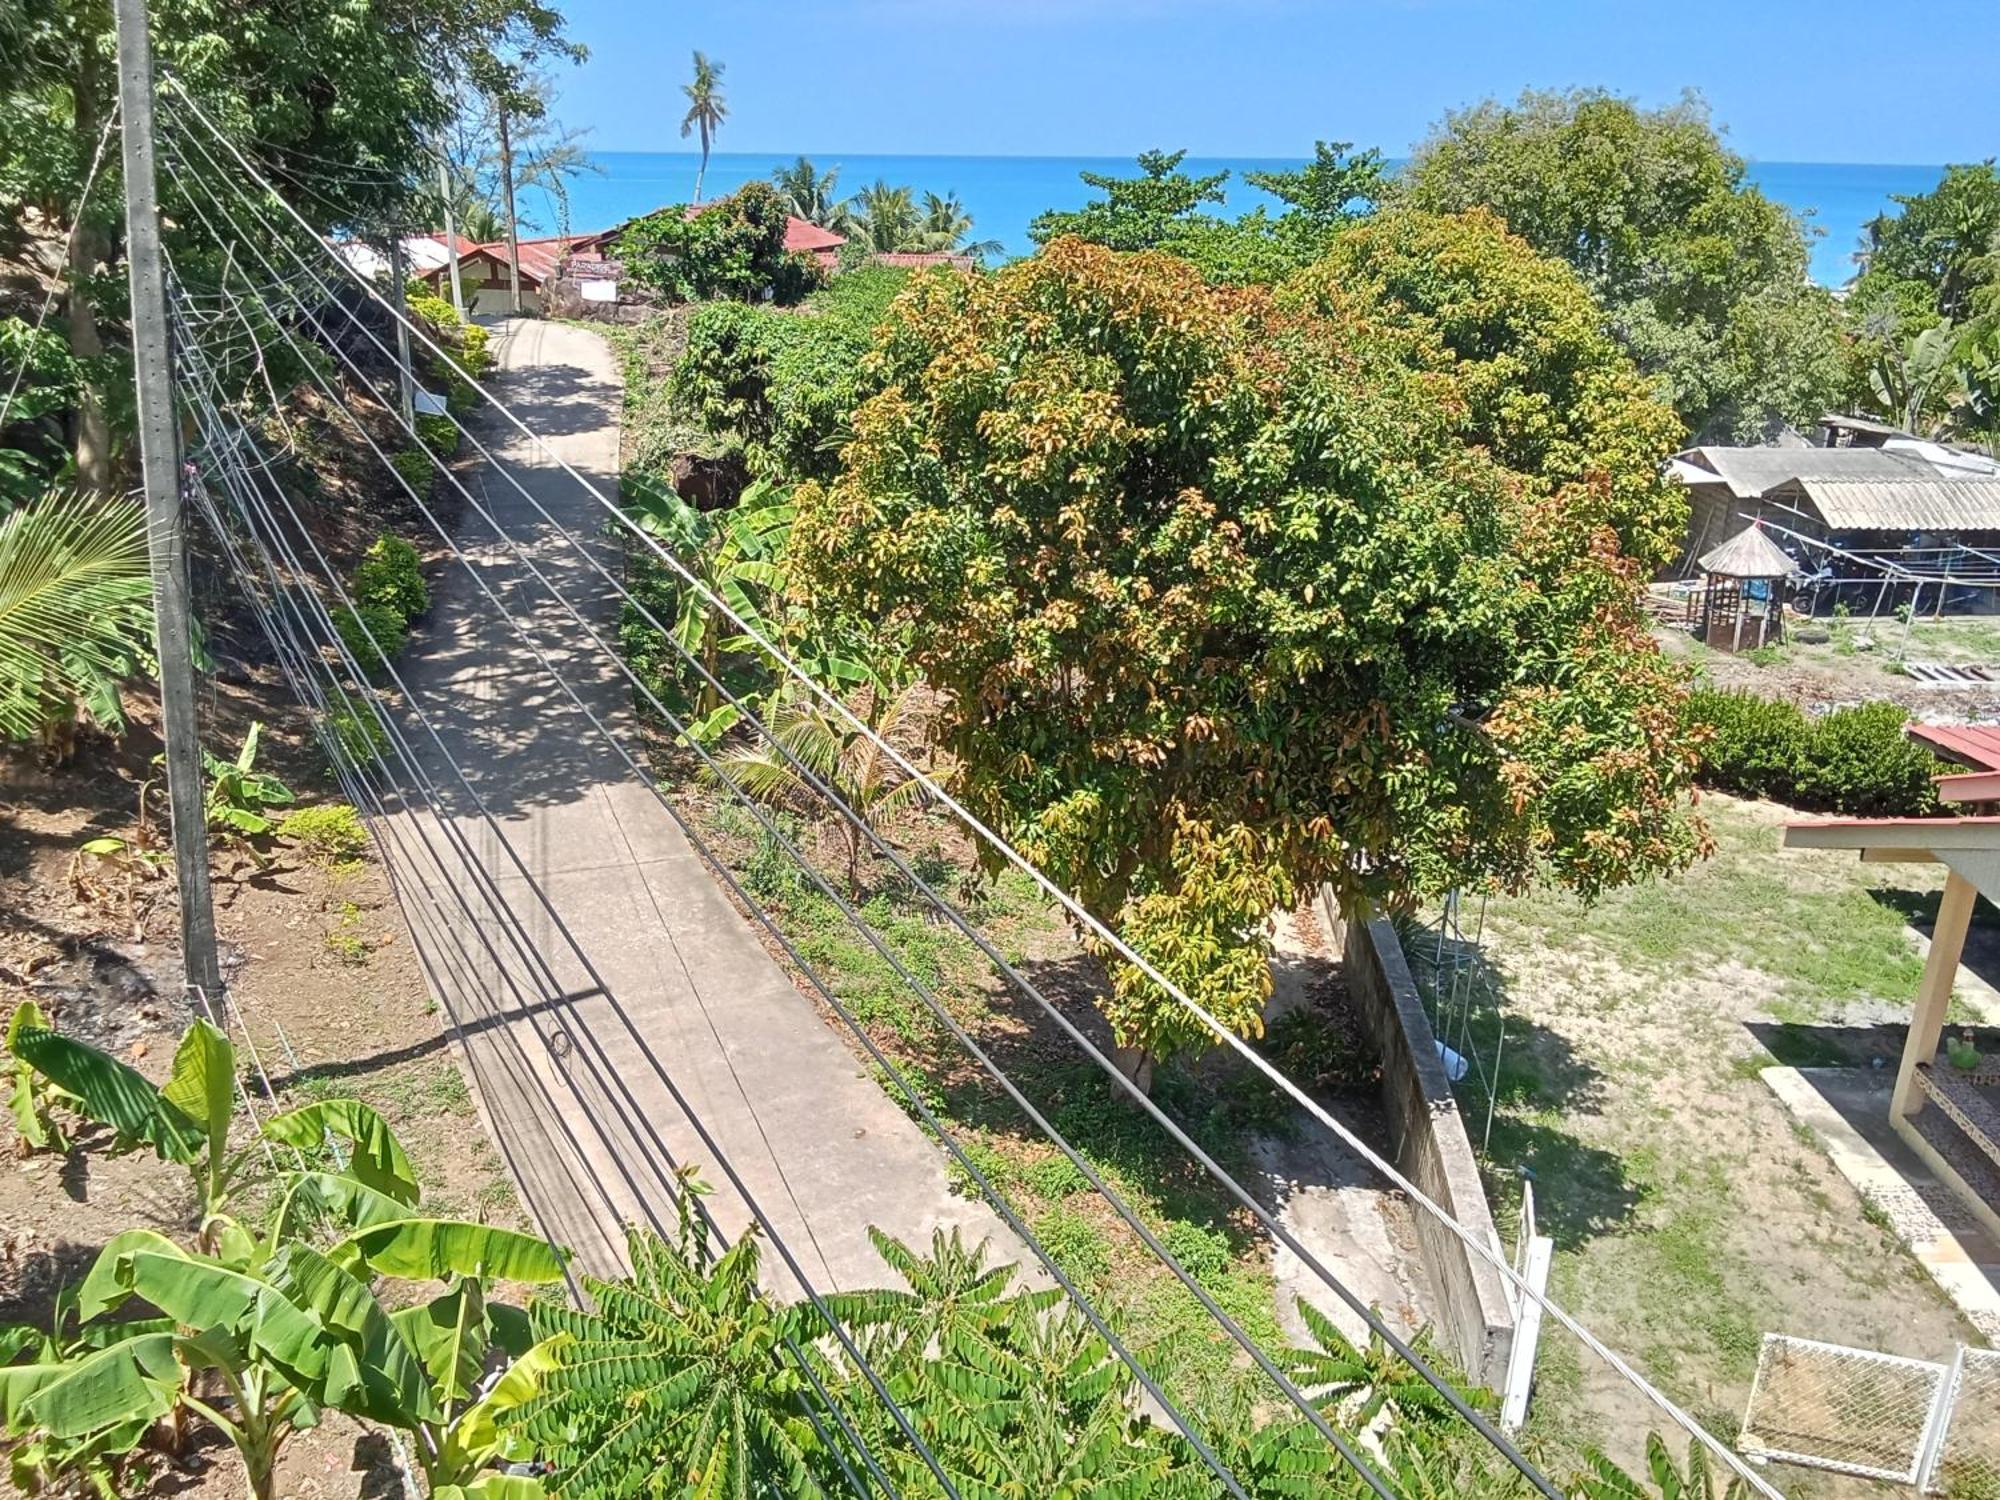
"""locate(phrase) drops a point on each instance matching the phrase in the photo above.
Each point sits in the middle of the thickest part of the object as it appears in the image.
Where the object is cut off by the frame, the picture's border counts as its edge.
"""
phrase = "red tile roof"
(806, 237)
(1975, 745)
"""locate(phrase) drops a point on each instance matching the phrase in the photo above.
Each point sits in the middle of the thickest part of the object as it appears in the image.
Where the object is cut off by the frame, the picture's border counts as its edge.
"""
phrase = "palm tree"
(885, 218)
(75, 612)
(706, 110)
(947, 226)
(853, 765)
(808, 194)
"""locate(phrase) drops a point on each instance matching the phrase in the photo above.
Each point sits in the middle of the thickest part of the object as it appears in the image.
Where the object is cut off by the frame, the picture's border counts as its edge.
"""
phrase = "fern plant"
(75, 612)
(681, 1374)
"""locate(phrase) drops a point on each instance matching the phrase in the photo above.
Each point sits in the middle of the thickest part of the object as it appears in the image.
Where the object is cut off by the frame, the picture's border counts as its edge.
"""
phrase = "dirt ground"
(1852, 662)
(1690, 1215)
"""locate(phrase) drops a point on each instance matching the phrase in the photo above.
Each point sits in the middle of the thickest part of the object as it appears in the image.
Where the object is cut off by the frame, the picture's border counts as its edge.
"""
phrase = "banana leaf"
(371, 1370)
(376, 1157)
(109, 1092)
(450, 1336)
(341, 1199)
(131, 1381)
(432, 1249)
(493, 1487)
(203, 1083)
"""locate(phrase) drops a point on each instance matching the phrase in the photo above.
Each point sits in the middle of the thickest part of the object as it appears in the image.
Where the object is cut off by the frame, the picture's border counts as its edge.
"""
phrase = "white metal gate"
(1917, 1422)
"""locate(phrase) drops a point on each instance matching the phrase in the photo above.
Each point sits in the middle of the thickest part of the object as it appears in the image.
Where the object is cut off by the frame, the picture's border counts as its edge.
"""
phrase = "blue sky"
(1831, 80)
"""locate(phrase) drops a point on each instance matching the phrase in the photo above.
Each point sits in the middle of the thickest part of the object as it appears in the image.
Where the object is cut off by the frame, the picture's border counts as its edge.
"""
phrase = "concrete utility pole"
(405, 382)
(159, 455)
(451, 241)
(513, 226)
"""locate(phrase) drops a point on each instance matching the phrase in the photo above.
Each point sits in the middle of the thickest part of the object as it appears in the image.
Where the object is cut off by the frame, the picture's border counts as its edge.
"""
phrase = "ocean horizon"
(1004, 193)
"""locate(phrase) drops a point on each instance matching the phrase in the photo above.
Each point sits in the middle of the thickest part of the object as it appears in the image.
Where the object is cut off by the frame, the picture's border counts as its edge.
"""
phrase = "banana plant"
(103, 1461)
(32, 1099)
(737, 555)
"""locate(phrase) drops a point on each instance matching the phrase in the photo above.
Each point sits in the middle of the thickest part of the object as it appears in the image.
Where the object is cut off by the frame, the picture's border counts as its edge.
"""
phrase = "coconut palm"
(706, 110)
(75, 611)
(885, 218)
(808, 194)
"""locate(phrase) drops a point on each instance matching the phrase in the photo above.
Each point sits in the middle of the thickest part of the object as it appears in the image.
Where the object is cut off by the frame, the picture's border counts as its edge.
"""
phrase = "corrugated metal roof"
(1928, 504)
(1753, 472)
(1976, 745)
(1749, 554)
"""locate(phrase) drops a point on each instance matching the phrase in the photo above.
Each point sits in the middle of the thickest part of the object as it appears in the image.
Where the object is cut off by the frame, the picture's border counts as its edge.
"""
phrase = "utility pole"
(159, 456)
(513, 227)
(451, 241)
(405, 383)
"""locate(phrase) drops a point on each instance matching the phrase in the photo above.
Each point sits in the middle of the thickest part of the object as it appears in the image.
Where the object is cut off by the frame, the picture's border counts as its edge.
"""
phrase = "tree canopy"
(1226, 595)
(1939, 256)
(1702, 276)
(732, 248)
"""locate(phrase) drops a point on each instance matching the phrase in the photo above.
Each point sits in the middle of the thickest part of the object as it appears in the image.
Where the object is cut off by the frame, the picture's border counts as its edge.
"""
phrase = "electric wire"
(931, 1002)
(749, 716)
(963, 1159)
(1473, 1243)
(719, 1158)
(381, 818)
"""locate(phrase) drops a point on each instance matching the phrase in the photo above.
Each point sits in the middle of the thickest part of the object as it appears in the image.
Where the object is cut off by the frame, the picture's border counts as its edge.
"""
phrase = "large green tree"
(1228, 594)
(1702, 276)
(364, 84)
(1938, 256)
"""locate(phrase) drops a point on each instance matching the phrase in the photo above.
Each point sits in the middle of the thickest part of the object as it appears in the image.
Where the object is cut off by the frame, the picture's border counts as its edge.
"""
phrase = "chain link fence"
(1917, 1422)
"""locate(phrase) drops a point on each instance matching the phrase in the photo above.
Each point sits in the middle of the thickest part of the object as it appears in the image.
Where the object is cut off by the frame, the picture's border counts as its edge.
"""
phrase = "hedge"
(1851, 760)
(391, 576)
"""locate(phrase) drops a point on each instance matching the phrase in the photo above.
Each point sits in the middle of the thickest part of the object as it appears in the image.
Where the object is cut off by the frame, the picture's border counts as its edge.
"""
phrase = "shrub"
(392, 577)
(1859, 760)
(1756, 746)
(415, 468)
(355, 737)
(472, 350)
(734, 248)
(327, 834)
(1202, 1251)
(371, 633)
(1853, 760)
(440, 433)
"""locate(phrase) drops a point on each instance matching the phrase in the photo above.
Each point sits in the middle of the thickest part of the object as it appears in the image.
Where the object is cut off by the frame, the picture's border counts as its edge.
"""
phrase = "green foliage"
(439, 432)
(733, 248)
(1936, 258)
(1853, 760)
(1222, 601)
(32, 1098)
(76, 615)
(240, 797)
(415, 469)
(1702, 276)
(1165, 209)
(391, 576)
(781, 385)
(1670, 1481)
(372, 634)
(328, 833)
(352, 732)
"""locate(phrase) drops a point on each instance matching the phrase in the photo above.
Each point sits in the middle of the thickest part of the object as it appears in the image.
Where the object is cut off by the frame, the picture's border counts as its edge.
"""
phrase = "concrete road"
(620, 1017)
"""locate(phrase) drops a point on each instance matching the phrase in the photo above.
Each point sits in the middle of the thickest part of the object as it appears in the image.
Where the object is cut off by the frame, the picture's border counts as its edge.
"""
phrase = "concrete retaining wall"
(1431, 1145)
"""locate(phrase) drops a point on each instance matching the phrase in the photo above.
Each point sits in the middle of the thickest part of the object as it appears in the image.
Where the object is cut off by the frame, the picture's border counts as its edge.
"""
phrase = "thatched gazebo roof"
(1748, 554)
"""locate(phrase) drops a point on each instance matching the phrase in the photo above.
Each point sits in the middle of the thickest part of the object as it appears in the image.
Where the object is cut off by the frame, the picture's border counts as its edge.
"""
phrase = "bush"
(734, 248)
(391, 576)
(1853, 760)
(1859, 760)
(416, 469)
(440, 434)
(355, 737)
(357, 626)
(1757, 746)
(328, 834)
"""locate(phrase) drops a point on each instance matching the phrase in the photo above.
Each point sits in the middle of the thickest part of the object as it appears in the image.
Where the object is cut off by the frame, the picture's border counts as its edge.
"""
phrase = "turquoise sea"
(1004, 192)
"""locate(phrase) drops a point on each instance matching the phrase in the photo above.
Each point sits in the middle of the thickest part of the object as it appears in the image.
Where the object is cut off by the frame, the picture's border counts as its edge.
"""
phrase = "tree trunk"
(92, 434)
(513, 223)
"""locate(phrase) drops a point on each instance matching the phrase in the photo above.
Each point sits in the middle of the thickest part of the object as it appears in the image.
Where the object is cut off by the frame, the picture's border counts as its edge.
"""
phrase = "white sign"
(598, 291)
(428, 404)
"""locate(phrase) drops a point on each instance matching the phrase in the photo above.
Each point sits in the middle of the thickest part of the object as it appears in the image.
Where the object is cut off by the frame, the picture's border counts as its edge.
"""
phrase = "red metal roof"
(1975, 745)
(804, 236)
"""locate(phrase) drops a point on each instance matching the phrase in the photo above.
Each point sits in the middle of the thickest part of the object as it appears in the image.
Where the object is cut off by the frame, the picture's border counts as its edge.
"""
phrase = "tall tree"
(1137, 213)
(1702, 276)
(706, 110)
(1229, 595)
(947, 226)
(885, 218)
(1938, 257)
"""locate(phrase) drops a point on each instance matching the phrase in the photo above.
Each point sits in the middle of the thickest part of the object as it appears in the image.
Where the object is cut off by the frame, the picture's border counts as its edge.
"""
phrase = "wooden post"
(1934, 992)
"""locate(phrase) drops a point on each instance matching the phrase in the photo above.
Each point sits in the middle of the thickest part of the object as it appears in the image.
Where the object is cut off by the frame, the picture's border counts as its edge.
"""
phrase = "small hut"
(1742, 599)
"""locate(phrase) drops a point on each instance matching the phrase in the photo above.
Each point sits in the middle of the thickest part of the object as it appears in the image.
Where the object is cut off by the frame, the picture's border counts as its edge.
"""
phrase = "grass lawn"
(1690, 1216)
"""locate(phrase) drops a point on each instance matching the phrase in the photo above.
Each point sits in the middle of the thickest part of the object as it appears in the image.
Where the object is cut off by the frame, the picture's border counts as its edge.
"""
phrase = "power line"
(1473, 1243)
(964, 1160)
(938, 1010)
(345, 768)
